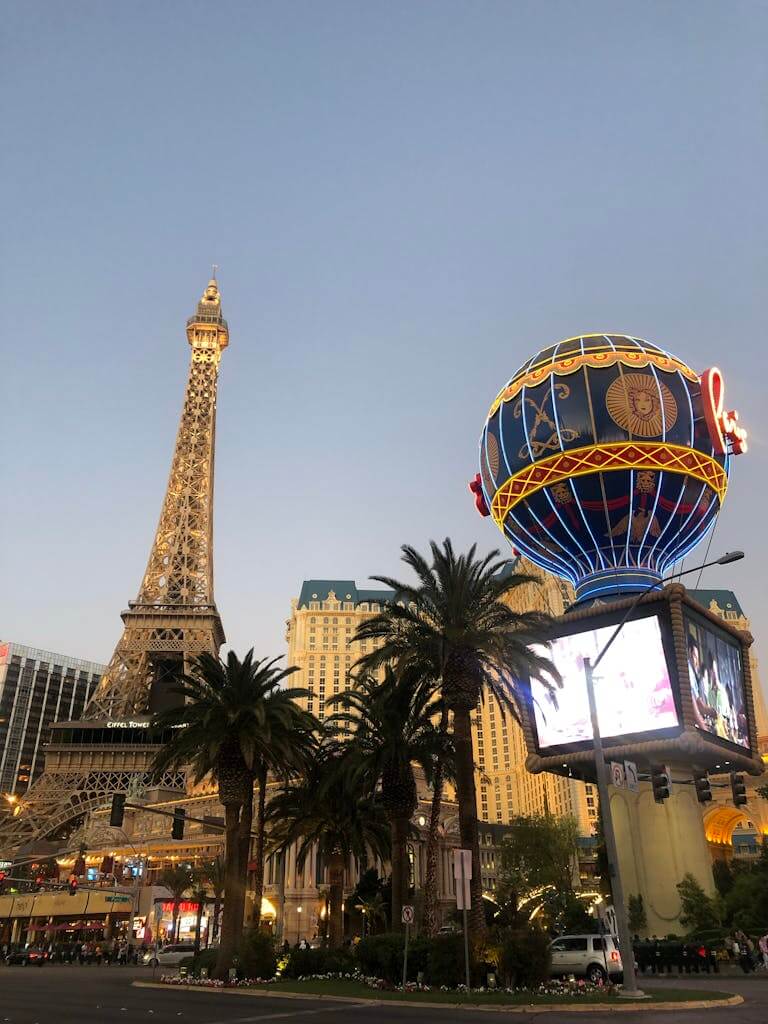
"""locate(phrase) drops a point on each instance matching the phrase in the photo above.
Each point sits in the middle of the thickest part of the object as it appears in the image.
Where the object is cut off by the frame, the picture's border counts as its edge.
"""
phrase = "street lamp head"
(730, 556)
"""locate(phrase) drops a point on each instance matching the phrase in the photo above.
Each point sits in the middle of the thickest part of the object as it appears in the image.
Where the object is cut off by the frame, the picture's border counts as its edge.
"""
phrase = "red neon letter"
(723, 426)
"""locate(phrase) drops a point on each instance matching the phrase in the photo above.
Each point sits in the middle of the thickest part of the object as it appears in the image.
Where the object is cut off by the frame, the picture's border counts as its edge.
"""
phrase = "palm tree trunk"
(244, 849)
(234, 892)
(431, 920)
(400, 873)
(198, 923)
(336, 915)
(467, 797)
(258, 853)
(213, 932)
(175, 918)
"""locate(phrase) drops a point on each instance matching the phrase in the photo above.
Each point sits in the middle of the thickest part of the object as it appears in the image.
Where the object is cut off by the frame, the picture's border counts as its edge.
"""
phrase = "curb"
(623, 1007)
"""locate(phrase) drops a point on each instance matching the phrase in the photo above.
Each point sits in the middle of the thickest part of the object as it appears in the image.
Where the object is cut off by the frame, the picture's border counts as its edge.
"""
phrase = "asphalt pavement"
(62, 994)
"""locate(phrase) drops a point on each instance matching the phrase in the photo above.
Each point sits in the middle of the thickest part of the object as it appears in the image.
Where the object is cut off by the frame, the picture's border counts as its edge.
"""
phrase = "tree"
(199, 894)
(392, 729)
(287, 741)
(177, 880)
(373, 911)
(636, 916)
(213, 875)
(537, 862)
(323, 810)
(453, 625)
(217, 730)
(697, 910)
(723, 876)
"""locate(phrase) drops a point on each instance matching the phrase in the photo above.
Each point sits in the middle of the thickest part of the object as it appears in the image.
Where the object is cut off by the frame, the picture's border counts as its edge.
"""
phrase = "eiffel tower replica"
(173, 619)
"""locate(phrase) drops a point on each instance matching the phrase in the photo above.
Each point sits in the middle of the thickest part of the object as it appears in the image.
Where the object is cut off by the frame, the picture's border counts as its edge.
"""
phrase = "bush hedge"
(302, 962)
(521, 955)
(256, 955)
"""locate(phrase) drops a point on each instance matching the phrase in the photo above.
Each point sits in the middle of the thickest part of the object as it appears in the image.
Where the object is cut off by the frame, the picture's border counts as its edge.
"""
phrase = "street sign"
(462, 872)
(407, 915)
(117, 899)
(617, 774)
(630, 773)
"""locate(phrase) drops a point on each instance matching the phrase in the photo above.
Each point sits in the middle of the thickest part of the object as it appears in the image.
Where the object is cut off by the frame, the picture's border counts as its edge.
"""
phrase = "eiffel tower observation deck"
(173, 619)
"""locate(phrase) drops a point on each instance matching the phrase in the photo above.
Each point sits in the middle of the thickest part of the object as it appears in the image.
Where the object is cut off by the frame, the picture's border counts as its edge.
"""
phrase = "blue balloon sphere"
(599, 461)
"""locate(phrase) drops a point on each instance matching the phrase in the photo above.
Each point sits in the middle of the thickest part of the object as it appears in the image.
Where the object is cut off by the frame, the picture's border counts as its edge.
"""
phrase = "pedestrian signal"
(118, 810)
(73, 885)
(179, 814)
(703, 788)
(738, 789)
(660, 783)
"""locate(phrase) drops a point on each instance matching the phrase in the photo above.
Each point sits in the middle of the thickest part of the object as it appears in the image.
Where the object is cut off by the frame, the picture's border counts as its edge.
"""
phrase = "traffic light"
(118, 810)
(177, 831)
(39, 882)
(738, 789)
(660, 783)
(73, 885)
(703, 788)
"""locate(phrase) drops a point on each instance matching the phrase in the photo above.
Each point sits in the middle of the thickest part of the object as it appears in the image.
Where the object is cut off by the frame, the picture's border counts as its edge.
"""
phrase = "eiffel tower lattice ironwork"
(173, 619)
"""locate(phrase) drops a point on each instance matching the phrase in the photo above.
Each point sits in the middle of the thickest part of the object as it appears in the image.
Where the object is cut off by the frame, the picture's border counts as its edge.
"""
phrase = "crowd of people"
(665, 956)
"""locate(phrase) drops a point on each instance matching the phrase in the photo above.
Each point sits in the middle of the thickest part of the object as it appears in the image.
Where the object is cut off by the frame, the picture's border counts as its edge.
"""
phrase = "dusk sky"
(405, 201)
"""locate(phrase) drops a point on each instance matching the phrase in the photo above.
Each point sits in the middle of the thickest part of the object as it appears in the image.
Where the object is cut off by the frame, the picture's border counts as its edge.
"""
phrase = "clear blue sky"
(405, 200)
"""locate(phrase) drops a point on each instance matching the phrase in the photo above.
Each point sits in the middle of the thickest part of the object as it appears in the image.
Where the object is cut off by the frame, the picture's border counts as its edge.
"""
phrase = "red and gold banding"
(605, 458)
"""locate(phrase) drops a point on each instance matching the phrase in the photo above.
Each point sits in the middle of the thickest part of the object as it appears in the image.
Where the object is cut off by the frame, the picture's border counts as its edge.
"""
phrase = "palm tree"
(218, 732)
(453, 625)
(177, 880)
(287, 741)
(373, 911)
(213, 876)
(393, 727)
(323, 810)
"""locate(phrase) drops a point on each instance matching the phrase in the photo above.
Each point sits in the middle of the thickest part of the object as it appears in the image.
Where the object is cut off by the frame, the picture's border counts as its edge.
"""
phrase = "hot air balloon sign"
(605, 460)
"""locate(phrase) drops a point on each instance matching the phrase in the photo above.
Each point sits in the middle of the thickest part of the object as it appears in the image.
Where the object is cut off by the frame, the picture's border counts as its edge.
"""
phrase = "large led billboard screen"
(717, 682)
(633, 687)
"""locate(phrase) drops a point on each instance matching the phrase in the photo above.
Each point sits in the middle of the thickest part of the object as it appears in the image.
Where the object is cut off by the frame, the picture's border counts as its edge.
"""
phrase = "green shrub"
(445, 963)
(205, 958)
(521, 955)
(302, 962)
(256, 955)
(382, 956)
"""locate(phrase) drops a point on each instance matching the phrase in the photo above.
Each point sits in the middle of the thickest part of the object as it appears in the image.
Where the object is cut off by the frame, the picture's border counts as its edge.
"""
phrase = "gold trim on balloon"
(604, 458)
(595, 358)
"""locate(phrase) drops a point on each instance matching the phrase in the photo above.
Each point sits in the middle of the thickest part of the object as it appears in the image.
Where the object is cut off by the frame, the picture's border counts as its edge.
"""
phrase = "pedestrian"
(763, 947)
(83, 953)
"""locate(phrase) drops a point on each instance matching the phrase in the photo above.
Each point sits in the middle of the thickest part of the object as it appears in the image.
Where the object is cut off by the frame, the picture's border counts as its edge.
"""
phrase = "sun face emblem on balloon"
(641, 404)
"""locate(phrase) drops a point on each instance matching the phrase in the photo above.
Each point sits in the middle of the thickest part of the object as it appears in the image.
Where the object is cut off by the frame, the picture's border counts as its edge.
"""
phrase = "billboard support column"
(625, 939)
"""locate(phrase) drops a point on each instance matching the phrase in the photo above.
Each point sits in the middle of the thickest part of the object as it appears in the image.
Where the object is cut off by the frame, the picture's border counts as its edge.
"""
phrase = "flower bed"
(554, 987)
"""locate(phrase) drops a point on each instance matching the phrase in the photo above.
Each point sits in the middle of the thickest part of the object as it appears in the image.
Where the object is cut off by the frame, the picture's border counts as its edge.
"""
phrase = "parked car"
(594, 957)
(30, 955)
(169, 956)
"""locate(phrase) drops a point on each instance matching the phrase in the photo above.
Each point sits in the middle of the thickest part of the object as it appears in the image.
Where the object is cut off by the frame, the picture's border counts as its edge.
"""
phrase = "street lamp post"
(630, 989)
(298, 936)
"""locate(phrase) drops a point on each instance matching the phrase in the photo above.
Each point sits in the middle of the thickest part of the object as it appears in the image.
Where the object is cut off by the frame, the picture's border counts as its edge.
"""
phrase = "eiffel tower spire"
(173, 619)
(174, 615)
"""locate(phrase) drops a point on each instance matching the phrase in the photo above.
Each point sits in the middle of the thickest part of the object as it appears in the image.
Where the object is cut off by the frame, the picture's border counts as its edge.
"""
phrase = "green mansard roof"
(345, 591)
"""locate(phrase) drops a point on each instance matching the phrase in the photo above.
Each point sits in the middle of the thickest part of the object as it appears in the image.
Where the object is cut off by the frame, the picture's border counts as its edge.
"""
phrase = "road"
(57, 994)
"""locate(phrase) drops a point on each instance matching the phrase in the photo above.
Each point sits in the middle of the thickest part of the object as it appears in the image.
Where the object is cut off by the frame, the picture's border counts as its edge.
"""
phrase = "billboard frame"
(690, 744)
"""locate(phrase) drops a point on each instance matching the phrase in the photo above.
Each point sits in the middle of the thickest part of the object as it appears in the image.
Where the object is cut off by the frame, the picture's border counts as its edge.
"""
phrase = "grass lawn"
(357, 990)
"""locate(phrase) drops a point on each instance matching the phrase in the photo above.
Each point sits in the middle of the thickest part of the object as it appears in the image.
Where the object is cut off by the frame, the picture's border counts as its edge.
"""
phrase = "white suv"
(169, 956)
(594, 957)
